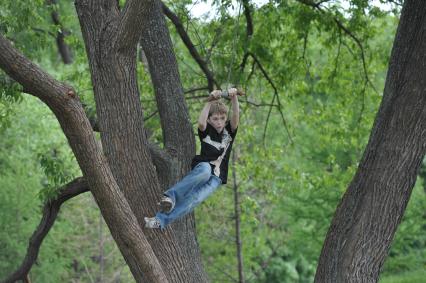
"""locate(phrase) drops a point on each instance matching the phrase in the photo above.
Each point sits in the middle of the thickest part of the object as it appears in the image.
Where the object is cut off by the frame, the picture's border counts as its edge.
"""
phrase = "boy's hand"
(232, 92)
(214, 95)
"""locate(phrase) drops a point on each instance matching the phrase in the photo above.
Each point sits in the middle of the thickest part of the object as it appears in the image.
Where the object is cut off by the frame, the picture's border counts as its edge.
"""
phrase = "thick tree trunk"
(123, 177)
(177, 134)
(111, 38)
(67, 108)
(365, 222)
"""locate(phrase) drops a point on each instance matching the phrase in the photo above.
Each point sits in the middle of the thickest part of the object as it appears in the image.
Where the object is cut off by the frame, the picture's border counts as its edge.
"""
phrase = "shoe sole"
(165, 206)
(148, 226)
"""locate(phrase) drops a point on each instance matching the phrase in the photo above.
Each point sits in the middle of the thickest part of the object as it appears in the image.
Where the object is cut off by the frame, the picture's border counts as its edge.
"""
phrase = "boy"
(209, 169)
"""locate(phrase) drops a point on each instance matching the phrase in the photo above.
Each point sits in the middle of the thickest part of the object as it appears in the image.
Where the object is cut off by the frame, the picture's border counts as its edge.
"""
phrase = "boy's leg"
(192, 199)
(197, 176)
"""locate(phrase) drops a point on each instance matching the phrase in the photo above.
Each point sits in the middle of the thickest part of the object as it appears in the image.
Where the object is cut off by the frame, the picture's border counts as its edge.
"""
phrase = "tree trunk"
(365, 222)
(179, 144)
(128, 174)
(111, 38)
(237, 213)
(67, 108)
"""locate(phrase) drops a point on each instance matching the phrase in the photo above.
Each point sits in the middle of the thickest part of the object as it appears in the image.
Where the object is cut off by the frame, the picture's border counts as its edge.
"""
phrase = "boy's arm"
(202, 119)
(235, 118)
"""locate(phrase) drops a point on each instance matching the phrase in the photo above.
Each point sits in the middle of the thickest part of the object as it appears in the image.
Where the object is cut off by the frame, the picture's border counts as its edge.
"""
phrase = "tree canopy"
(314, 73)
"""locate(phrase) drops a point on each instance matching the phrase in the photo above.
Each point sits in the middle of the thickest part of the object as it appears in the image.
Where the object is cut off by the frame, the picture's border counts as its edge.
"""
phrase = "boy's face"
(217, 121)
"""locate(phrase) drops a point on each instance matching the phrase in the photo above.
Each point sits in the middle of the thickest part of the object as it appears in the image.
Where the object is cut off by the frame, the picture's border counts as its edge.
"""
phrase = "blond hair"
(218, 107)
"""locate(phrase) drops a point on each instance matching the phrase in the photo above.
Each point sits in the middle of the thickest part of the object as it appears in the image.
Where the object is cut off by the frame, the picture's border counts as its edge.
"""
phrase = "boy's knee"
(203, 167)
(205, 171)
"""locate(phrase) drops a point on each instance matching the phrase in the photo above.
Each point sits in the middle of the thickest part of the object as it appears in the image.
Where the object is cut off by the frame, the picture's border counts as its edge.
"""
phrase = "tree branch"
(33, 80)
(396, 2)
(249, 20)
(50, 211)
(336, 60)
(341, 26)
(276, 96)
(39, 30)
(203, 88)
(63, 48)
(66, 106)
(244, 62)
(160, 157)
(191, 48)
(156, 43)
(130, 24)
(166, 167)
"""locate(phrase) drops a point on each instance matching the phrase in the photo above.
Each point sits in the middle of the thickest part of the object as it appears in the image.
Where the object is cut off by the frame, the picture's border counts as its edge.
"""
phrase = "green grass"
(418, 276)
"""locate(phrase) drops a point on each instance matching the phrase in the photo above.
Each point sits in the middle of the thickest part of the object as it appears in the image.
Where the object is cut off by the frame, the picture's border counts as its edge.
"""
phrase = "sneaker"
(152, 222)
(166, 204)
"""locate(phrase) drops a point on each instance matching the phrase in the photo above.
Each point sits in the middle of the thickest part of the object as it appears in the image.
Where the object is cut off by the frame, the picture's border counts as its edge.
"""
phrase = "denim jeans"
(195, 187)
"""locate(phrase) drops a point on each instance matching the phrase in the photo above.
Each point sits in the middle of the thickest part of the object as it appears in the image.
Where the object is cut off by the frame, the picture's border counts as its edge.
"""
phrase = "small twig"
(347, 31)
(202, 88)
(191, 68)
(151, 115)
(362, 102)
(215, 41)
(305, 44)
(253, 65)
(196, 97)
(267, 121)
(336, 61)
(87, 270)
(39, 30)
(397, 3)
(192, 50)
(279, 107)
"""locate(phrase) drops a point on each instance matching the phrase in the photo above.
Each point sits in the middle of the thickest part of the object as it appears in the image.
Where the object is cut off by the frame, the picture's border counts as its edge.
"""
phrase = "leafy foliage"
(289, 183)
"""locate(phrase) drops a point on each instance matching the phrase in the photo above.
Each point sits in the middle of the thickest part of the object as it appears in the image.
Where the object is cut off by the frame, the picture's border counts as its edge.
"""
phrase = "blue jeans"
(195, 187)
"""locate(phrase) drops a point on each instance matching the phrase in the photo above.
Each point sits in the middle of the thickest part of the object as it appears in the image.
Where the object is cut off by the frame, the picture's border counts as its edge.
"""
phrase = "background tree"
(362, 229)
(121, 128)
(308, 58)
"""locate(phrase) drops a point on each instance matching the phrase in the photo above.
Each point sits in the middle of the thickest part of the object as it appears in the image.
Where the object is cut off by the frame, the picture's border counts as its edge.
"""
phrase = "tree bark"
(63, 48)
(67, 108)
(111, 38)
(365, 221)
(179, 144)
(128, 174)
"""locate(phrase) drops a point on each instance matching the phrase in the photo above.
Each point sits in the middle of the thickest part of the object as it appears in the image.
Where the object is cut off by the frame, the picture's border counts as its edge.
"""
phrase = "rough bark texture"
(365, 222)
(184, 259)
(111, 38)
(128, 174)
(67, 108)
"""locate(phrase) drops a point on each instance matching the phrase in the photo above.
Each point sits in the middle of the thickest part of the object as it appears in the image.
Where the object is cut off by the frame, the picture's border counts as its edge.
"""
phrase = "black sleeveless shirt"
(213, 144)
